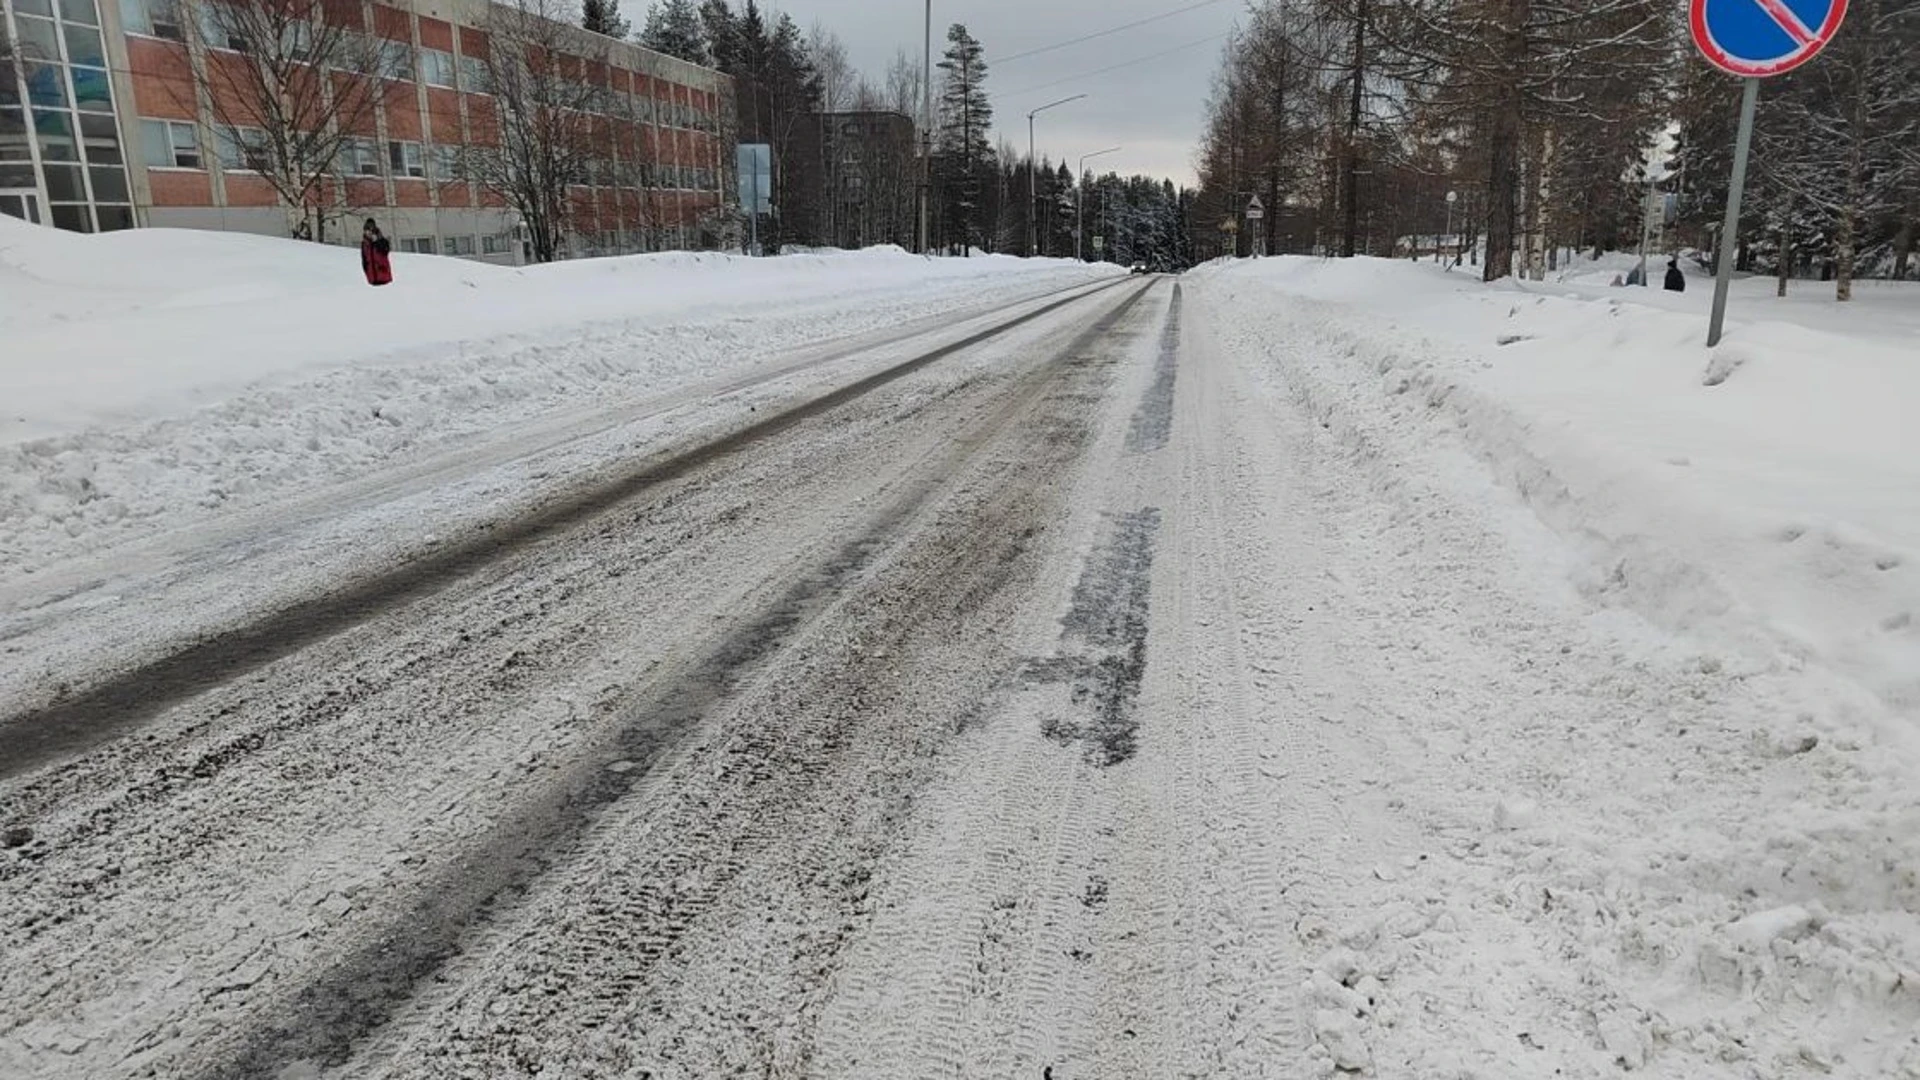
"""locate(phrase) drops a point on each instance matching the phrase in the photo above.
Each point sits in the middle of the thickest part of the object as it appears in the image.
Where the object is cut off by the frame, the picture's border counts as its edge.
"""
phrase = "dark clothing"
(1676, 281)
(374, 260)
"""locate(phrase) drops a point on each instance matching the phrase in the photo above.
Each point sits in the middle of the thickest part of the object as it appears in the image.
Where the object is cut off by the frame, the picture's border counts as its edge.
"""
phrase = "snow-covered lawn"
(158, 378)
(1766, 491)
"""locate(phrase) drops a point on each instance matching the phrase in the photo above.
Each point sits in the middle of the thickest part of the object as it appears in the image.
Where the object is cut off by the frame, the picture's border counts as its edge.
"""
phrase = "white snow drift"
(150, 379)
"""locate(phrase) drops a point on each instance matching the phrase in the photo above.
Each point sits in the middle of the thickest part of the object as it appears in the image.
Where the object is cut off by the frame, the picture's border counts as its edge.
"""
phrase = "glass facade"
(61, 159)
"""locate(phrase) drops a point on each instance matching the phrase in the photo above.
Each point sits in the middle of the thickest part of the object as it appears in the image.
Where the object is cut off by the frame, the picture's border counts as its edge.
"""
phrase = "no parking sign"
(1755, 39)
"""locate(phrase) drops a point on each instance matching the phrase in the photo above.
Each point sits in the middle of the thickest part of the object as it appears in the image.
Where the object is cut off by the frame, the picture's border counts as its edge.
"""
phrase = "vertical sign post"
(1730, 231)
(1754, 39)
(756, 187)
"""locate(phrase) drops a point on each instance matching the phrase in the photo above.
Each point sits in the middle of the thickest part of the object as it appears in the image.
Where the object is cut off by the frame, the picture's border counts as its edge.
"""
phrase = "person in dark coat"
(1676, 281)
(374, 255)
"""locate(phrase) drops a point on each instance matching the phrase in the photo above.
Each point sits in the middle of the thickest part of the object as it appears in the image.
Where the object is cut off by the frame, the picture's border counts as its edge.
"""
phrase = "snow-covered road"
(1091, 686)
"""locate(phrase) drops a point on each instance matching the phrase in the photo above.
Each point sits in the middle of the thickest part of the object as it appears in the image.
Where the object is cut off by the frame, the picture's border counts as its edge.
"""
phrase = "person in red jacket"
(374, 252)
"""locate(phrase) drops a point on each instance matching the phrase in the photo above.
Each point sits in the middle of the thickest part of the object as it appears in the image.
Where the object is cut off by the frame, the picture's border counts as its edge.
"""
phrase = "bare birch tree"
(552, 139)
(290, 85)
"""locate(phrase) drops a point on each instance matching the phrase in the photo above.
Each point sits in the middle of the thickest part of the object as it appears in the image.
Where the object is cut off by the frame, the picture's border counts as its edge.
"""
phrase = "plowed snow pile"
(155, 378)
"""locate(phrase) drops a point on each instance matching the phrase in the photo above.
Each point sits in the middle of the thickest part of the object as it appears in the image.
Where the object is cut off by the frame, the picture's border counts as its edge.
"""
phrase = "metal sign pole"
(1730, 232)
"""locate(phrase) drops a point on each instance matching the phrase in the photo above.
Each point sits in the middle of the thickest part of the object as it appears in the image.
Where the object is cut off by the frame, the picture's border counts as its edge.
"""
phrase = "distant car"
(1139, 268)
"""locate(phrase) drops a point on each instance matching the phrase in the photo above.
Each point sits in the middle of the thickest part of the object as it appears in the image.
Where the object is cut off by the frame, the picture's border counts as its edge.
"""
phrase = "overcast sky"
(1153, 109)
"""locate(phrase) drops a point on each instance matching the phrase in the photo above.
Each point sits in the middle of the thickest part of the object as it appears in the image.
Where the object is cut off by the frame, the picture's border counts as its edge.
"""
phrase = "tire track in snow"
(363, 988)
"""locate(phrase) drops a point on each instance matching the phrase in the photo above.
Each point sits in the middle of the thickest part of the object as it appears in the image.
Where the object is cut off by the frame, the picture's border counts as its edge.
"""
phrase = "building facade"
(114, 114)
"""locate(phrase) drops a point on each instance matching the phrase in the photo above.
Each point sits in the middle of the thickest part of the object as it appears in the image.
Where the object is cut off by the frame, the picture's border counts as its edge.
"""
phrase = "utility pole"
(1353, 130)
(926, 137)
(1033, 191)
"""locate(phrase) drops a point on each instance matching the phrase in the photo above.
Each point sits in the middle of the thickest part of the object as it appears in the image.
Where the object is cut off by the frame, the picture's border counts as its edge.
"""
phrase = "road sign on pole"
(1255, 209)
(1758, 38)
(755, 165)
(1754, 39)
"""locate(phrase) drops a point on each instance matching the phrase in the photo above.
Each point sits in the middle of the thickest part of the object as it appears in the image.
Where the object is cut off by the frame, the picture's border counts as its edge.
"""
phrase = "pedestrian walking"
(374, 255)
(1676, 281)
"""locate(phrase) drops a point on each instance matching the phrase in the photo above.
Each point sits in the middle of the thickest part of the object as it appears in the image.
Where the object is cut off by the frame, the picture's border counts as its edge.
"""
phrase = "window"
(495, 244)
(459, 245)
(23, 207)
(351, 52)
(473, 75)
(13, 139)
(72, 218)
(109, 183)
(38, 40)
(46, 85)
(91, 90)
(55, 130)
(418, 245)
(84, 47)
(79, 11)
(445, 162)
(63, 183)
(102, 139)
(396, 60)
(169, 144)
(114, 218)
(436, 67)
(405, 159)
(222, 28)
(242, 150)
(296, 39)
(34, 7)
(362, 157)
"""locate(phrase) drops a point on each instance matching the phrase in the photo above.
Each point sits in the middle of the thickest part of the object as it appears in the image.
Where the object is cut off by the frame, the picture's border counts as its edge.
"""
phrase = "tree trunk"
(1503, 176)
(1503, 194)
(1903, 244)
(1786, 244)
(1351, 238)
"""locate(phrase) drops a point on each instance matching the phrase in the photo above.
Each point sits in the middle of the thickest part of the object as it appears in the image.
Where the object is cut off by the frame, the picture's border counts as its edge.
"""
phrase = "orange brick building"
(107, 121)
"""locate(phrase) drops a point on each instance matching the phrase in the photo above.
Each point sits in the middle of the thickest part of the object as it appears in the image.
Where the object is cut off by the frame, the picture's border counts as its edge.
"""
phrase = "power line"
(1116, 67)
(1002, 61)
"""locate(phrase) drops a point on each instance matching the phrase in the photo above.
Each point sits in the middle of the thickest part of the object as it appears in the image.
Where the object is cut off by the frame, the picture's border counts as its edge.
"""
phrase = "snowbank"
(152, 378)
(1766, 493)
(1688, 836)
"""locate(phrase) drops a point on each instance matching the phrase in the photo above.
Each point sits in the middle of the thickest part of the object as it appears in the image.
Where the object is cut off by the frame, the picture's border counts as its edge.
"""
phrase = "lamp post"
(926, 136)
(1079, 198)
(1033, 163)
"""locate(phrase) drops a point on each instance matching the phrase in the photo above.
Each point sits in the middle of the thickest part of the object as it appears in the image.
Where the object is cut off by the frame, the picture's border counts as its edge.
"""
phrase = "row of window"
(391, 59)
(489, 244)
(175, 144)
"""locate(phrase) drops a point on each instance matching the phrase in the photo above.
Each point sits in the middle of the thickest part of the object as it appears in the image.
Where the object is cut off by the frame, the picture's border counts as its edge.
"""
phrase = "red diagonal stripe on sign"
(1779, 12)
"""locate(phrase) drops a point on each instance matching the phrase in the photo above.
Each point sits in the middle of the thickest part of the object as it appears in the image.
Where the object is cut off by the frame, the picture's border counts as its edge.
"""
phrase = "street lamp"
(1033, 163)
(1079, 194)
(926, 137)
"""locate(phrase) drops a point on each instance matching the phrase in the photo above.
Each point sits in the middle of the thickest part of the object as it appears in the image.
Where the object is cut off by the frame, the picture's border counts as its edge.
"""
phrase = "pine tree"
(721, 30)
(603, 17)
(674, 28)
(964, 154)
